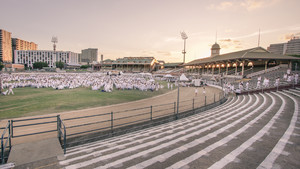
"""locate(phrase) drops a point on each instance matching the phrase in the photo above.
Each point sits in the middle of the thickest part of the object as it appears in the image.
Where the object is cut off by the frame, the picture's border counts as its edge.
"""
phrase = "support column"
(226, 68)
(236, 65)
(266, 65)
(243, 67)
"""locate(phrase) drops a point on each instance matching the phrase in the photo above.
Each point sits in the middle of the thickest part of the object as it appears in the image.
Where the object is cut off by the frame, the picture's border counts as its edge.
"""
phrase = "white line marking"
(197, 132)
(226, 160)
(278, 149)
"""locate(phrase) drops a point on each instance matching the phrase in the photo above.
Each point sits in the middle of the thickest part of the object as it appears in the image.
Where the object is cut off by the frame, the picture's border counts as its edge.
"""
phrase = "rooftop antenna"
(216, 36)
(258, 37)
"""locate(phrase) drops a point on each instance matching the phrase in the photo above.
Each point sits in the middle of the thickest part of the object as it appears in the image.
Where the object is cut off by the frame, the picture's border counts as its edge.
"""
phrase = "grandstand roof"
(173, 64)
(140, 60)
(250, 54)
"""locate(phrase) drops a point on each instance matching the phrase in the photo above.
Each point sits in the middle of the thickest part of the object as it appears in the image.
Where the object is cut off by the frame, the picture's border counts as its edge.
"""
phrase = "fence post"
(58, 128)
(12, 128)
(193, 104)
(112, 121)
(9, 132)
(214, 98)
(151, 112)
(175, 110)
(65, 140)
(2, 151)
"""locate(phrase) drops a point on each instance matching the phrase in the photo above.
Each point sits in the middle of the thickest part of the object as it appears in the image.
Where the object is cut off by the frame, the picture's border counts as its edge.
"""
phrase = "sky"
(134, 28)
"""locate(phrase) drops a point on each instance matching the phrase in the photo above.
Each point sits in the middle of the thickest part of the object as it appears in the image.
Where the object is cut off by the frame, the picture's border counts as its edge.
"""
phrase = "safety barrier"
(61, 133)
(116, 122)
(5, 142)
(111, 123)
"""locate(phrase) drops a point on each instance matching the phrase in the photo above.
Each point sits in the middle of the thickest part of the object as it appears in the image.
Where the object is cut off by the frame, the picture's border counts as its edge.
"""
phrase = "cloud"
(249, 5)
(252, 4)
(222, 6)
(229, 44)
(156, 53)
(289, 36)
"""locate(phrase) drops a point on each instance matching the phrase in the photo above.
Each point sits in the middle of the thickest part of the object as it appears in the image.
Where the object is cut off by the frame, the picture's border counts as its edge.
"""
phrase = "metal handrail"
(60, 133)
(8, 141)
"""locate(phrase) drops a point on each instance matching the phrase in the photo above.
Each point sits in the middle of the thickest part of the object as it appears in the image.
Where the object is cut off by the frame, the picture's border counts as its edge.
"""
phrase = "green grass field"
(32, 101)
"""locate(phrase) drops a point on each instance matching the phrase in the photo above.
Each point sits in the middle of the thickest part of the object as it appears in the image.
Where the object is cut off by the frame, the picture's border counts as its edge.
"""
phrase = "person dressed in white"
(288, 71)
(204, 92)
(259, 78)
(241, 86)
(285, 77)
(296, 78)
(277, 82)
(10, 91)
(258, 85)
(196, 91)
(247, 86)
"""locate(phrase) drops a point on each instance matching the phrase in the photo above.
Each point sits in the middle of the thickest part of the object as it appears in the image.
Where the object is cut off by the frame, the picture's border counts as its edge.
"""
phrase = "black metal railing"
(5, 142)
(61, 133)
(106, 124)
(15, 124)
(119, 121)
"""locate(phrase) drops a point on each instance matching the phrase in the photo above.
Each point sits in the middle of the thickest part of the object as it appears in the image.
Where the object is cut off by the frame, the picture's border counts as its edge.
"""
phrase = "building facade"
(279, 48)
(19, 44)
(293, 47)
(28, 57)
(89, 55)
(5, 47)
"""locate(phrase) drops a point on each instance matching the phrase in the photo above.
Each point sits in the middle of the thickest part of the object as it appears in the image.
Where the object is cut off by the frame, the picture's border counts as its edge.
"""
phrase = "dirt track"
(186, 93)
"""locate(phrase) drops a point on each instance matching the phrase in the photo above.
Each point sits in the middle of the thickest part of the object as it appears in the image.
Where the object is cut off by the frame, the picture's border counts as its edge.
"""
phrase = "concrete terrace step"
(183, 132)
(246, 131)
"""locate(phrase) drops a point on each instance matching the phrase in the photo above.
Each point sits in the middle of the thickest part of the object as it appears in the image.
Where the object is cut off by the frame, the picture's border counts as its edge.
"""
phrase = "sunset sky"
(123, 28)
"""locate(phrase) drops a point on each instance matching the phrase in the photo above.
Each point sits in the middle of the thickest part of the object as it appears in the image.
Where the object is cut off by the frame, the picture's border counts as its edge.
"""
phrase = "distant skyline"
(124, 28)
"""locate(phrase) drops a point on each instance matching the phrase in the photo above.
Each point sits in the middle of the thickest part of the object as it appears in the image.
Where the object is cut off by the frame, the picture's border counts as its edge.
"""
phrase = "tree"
(84, 66)
(40, 65)
(1, 66)
(60, 64)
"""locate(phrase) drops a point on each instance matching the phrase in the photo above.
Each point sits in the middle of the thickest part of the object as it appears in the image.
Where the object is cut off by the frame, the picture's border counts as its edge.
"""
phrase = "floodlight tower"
(184, 37)
(54, 40)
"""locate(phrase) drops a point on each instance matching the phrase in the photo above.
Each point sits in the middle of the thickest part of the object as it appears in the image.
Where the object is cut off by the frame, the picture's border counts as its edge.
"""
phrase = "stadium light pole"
(184, 37)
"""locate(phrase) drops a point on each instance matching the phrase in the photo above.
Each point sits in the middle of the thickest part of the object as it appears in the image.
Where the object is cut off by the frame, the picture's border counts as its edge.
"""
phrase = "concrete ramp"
(44, 152)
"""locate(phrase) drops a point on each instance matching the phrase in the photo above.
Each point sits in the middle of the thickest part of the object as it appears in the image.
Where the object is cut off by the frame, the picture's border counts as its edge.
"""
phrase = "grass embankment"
(32, 101)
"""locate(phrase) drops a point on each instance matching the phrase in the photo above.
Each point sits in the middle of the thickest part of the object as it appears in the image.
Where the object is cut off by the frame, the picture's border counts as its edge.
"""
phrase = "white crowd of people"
(265, 83)
(105, 82)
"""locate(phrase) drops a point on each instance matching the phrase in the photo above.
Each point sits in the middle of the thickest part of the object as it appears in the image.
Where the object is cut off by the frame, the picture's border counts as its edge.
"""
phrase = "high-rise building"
(5, 47)
(19, 44)
(279, 48)
(89, 55)
(293, 47)
(29, 57)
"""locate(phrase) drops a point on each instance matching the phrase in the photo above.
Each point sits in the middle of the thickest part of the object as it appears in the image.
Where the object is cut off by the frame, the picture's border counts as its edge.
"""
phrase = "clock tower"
(215, 50)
